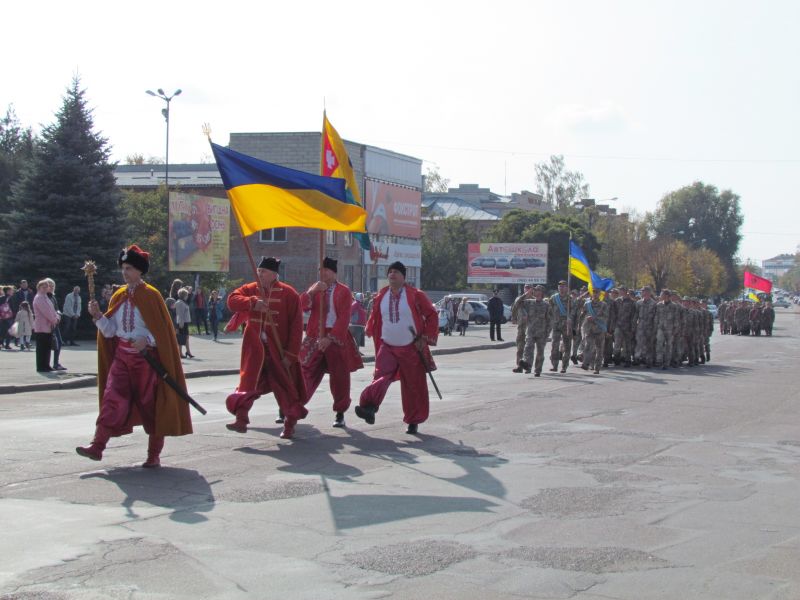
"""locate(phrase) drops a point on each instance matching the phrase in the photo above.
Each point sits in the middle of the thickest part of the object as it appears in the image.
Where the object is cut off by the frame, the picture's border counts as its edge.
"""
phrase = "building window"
(330, 238)
(272, 235)
(348, 276)
(348, 239)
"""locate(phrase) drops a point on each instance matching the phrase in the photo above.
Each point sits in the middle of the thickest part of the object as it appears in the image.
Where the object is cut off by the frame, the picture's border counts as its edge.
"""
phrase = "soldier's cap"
(562, 282)
(528, 286)
(539, 288)
(666, 291)
(647, 288)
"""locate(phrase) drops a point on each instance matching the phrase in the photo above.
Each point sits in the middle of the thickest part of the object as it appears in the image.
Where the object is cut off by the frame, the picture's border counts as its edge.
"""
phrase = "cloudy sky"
(642, 97)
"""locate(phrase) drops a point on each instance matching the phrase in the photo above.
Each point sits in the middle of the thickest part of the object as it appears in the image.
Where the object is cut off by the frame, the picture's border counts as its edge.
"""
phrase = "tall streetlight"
(165, 111)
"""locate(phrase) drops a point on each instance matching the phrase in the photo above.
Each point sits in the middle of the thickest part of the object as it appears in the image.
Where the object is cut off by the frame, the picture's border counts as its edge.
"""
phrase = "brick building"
(390, 185)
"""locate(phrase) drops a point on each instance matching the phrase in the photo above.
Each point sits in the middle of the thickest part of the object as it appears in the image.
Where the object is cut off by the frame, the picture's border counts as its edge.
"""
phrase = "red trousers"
(413, 388)
(272, 378)
(332, 361)
(131, 383)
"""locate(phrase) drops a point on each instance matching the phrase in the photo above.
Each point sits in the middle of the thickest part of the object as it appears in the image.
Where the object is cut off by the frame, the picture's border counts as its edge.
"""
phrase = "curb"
(86, 381)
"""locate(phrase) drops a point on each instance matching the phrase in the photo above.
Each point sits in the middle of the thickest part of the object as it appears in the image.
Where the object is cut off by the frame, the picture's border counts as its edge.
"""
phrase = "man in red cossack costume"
(270, 348)
(334, 351)
(131, 392)
(403, 323)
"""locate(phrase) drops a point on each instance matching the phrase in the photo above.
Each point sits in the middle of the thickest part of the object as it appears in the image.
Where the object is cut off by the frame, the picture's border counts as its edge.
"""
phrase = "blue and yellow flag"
(335, 162)
(579, 267)
(265, 196)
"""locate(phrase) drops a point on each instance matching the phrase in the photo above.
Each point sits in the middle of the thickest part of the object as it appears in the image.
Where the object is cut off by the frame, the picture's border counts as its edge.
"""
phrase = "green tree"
(559, 187)
(444, 253)
(702, 217)
(65, 207)
(145, 216)
(551, 229)
(619, 238)
(434, 182)
(16, 150)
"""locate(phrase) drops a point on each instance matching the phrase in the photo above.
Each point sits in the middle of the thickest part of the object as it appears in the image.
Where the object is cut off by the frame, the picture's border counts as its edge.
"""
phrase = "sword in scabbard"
(424, 362)
(162, 373)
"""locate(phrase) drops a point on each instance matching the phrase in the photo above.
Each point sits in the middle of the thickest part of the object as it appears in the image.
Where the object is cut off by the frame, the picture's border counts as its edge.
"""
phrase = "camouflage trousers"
(645, 346)
(665, 339)
(557, 352)
(593, 350)
(521, 330)
(538, 342)
(623, 345)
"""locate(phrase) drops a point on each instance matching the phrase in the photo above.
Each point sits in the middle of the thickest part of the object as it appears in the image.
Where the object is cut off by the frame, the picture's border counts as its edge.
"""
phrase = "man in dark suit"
(495, 306)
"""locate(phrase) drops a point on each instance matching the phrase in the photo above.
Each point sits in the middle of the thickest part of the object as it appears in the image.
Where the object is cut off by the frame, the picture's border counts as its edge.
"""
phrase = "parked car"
(480, 313)
(518, 263)
(781, 303)
(534, 262)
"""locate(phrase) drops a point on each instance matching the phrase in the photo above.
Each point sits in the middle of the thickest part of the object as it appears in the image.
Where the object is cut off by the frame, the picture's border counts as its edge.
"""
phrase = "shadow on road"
(185, 491)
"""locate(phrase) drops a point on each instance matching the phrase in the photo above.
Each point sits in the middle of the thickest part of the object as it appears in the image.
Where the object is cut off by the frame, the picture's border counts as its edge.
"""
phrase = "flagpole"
(322, 318)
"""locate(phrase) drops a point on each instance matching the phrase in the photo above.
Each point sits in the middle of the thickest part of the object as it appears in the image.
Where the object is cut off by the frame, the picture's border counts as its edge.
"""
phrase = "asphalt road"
(628, 485)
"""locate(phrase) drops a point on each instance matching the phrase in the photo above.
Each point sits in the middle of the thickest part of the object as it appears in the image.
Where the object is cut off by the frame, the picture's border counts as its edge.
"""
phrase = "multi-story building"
(777, 266)
(390, 186)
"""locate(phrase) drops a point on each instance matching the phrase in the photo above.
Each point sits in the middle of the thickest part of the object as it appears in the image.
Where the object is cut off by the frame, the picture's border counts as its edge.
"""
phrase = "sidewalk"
(18, 373)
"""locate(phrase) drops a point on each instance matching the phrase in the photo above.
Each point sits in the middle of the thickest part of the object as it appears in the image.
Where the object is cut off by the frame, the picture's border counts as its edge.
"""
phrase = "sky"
(642, 97)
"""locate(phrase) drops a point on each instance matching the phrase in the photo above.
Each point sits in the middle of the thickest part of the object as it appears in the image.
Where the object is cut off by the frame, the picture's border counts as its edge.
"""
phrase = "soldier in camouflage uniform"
(625, 328)
(561, 312)
(665, 322)
(577, 308)
(721, 310)
(767, 318)
(646, 328)
(755, 319)
(594, 329)
(608, 347)
(578, 343)
(537, 313)
(708, 329)
(518, 316)
(694, 332)
(679, 342)
(741, 317)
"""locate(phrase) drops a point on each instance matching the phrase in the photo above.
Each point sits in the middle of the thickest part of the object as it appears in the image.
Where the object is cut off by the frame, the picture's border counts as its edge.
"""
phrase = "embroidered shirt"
(397, 319)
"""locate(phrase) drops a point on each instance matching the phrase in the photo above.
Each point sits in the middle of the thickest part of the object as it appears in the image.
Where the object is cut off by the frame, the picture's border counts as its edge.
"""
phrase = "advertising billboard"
(392, 210)
(199, 233)
(507, 263)
(385, 254)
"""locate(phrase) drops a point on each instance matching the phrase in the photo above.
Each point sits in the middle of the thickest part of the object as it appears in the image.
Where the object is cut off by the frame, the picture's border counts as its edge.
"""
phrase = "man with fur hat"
(328, 346)
(402, 324)
(270, 348)
(131, 392)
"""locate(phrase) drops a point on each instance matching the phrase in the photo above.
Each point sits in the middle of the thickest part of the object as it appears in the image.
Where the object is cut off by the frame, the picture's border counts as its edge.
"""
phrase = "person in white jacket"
(462, 315)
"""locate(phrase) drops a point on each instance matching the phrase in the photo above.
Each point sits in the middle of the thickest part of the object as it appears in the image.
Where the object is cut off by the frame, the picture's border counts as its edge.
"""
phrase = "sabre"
(162, 372)
(425, 364)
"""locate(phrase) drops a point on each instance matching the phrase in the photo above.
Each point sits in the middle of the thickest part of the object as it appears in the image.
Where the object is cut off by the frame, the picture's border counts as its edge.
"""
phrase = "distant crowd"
(745, 318)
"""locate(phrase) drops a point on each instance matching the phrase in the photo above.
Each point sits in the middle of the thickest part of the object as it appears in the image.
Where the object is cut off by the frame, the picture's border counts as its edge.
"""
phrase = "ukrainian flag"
(579, 267)
(335, 162)
(265, 196)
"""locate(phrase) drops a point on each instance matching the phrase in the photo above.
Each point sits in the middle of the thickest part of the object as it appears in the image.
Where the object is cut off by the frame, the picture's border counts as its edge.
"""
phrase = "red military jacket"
(287, 325)
(339, 333)
(426, 320)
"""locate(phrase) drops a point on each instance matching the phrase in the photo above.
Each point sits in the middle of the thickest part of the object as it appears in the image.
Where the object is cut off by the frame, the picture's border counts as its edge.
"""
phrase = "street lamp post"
(165, 111)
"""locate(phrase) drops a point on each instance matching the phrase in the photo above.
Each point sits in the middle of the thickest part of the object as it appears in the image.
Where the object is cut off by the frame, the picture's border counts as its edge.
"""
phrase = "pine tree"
(65, 207)
(16, 149)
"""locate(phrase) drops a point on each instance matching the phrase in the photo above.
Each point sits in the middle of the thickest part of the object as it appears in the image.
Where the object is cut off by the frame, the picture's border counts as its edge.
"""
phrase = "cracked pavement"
(628, 485)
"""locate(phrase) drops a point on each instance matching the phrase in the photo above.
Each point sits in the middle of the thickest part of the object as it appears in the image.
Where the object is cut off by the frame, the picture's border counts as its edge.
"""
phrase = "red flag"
(757, 283)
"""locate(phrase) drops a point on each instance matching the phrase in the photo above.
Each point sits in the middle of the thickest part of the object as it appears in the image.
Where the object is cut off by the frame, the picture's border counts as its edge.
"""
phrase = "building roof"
(443, 206)
(782, 257)
(151, 176)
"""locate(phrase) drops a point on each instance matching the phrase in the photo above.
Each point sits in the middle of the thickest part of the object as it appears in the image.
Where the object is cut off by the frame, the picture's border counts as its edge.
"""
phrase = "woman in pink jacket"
(45, 320)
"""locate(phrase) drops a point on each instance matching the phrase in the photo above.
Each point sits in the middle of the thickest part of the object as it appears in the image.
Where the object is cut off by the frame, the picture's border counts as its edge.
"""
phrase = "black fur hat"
(397, 266)
(329, 263)
(271, 263)
(135, 257)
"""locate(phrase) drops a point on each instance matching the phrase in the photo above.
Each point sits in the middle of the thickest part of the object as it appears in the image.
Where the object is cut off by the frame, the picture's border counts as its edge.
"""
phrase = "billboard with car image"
(506, 263)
